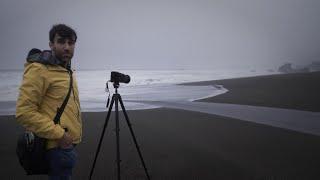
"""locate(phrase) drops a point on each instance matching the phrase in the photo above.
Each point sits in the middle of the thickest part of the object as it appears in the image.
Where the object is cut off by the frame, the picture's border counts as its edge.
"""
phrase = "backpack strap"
(61, 109)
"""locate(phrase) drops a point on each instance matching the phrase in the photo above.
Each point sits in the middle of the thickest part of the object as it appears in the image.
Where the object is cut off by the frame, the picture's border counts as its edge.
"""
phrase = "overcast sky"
(167, 34)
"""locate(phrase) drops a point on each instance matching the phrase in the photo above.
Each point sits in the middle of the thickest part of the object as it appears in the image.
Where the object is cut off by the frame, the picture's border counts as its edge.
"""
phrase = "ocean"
(145, 85)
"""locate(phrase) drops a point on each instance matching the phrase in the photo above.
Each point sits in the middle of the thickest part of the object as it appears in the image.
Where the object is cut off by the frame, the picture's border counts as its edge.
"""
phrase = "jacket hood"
(45, 57)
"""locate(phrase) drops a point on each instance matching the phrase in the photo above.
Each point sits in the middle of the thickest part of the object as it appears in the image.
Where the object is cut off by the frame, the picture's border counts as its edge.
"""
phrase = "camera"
(117, 78)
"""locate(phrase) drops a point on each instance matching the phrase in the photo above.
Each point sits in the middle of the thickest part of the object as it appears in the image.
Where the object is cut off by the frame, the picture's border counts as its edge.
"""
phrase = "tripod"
(116, 98)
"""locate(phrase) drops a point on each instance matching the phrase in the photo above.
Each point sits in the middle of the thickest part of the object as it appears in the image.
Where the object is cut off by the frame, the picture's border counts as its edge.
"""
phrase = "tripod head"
(116, 85)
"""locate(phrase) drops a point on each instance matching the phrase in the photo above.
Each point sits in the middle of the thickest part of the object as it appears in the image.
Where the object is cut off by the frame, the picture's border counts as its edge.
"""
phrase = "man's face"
(63, 48)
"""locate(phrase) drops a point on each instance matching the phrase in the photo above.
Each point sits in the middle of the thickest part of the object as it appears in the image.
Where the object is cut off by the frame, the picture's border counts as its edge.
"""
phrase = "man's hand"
(65, 141)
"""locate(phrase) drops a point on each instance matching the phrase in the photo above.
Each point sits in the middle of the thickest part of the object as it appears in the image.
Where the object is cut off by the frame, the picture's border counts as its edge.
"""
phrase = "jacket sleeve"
(32, 91)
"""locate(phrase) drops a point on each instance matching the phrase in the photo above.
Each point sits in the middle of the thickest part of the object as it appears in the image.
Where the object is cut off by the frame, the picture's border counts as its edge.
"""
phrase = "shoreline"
(252, 91)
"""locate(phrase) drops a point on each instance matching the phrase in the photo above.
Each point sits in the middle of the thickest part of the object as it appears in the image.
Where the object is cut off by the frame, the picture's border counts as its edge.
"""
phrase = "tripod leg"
(117, 135)
(101, 138)
(133, 136)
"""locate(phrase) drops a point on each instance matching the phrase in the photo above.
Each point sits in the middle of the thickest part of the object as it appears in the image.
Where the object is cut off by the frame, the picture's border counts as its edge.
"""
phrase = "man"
(44, 87)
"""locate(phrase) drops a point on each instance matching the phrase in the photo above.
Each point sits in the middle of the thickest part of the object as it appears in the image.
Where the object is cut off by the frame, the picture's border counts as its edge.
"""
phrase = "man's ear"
(51, 45)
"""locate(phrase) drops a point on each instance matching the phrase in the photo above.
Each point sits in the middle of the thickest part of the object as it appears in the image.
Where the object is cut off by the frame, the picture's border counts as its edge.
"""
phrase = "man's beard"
(64, 57)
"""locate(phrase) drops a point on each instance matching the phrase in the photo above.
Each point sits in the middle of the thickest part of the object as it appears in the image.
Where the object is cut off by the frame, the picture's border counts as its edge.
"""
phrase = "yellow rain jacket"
(43, 89)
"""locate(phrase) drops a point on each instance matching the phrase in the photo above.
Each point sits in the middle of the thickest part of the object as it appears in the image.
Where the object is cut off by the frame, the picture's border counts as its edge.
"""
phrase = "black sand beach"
(179, 144)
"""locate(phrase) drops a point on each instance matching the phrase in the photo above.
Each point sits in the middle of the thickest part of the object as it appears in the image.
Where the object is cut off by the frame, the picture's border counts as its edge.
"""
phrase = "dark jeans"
(61, 163)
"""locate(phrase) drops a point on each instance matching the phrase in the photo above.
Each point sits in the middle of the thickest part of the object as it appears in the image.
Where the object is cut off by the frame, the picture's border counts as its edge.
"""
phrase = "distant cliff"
(314, 66)
(287, 68)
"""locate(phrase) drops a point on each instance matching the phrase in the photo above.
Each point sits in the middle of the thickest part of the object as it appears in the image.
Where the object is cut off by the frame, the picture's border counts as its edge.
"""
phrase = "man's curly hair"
(63, 31)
